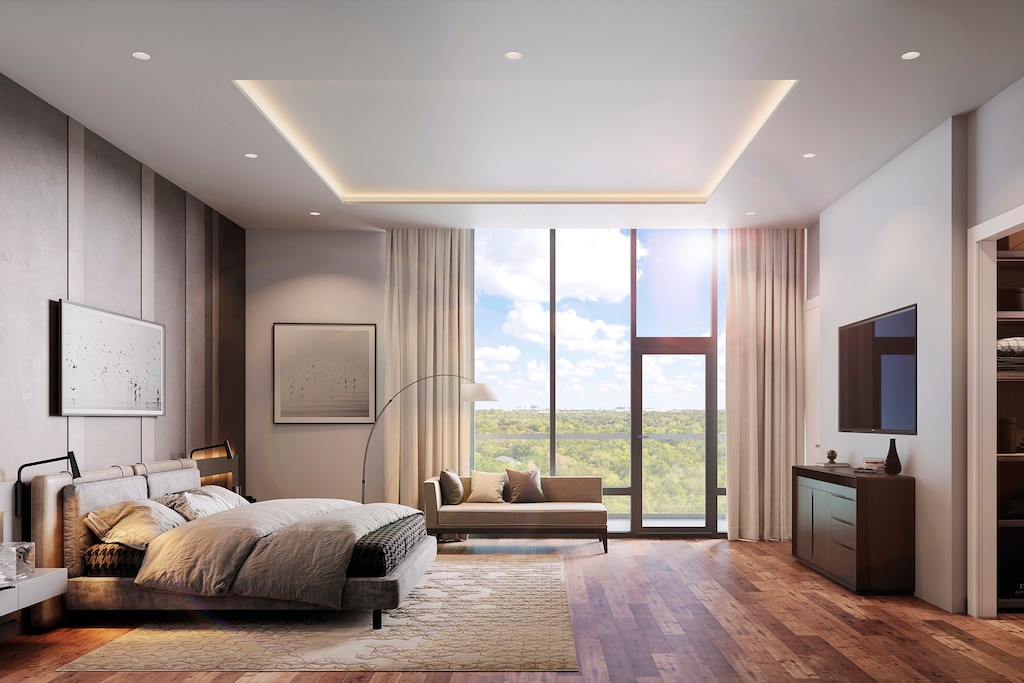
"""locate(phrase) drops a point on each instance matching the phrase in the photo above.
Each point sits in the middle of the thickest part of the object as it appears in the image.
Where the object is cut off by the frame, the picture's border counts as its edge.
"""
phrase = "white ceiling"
(621, 113)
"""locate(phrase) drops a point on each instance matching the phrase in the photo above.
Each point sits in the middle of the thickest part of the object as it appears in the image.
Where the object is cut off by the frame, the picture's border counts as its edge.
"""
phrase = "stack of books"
(872, 465)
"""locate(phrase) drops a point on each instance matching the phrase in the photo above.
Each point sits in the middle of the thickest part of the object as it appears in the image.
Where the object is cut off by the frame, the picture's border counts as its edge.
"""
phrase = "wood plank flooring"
(669, 610)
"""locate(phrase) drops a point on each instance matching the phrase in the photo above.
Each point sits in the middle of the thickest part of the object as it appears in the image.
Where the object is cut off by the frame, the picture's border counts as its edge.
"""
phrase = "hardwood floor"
(672, 610)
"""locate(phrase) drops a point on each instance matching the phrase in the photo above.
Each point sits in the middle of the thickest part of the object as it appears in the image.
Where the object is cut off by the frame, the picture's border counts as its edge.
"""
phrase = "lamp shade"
(474, 391)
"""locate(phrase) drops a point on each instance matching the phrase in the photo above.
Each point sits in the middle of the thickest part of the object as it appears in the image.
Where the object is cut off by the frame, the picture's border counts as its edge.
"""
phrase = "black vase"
(892, 460)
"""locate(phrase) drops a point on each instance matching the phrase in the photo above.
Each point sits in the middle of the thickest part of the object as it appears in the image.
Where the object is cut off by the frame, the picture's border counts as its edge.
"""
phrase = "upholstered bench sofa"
(572, 506)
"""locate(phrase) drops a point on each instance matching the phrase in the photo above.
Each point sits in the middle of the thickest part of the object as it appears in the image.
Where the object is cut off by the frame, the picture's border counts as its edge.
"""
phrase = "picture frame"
(324, 373)
(110, 364)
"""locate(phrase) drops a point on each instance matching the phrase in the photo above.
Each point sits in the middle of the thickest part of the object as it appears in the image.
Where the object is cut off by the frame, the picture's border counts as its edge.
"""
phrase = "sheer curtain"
(764, 379)
(429, 300)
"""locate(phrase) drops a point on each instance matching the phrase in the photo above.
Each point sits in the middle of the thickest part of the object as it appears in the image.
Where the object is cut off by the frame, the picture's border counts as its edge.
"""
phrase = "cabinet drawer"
(813, 484)
(844, 534)
(844, 564)
(844, 509)
(8, 601)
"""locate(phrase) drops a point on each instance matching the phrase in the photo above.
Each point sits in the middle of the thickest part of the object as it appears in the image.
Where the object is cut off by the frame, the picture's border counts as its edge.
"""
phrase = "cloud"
(528, 321)
(513, 264)
(578, 334)
(497, 353)
(595, 266)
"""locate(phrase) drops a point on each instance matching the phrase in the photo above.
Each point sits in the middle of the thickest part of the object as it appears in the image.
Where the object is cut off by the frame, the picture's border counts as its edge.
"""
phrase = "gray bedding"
(295, 549)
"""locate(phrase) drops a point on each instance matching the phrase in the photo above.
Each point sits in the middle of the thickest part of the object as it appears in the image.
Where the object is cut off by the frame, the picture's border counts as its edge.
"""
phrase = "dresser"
(857, 529)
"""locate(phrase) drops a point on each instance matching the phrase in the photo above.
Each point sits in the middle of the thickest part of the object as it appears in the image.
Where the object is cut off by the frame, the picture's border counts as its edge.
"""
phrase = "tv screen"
(878, 374)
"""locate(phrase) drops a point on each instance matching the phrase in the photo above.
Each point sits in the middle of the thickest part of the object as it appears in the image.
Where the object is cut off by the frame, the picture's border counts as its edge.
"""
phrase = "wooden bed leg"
(377, 619)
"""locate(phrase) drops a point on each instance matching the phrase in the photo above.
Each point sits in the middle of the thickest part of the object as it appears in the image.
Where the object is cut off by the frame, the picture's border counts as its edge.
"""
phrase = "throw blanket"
(293, 549)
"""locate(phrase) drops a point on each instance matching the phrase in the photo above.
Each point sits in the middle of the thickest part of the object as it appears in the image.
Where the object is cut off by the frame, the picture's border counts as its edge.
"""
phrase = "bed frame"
(123, 482)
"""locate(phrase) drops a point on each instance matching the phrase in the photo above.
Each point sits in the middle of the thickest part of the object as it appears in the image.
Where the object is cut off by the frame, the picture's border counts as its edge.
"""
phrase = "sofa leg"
(377, 619)
(604, 540)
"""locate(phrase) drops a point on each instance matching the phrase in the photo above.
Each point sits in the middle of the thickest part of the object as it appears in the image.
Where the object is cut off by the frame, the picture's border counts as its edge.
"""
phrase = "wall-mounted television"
(878, 374)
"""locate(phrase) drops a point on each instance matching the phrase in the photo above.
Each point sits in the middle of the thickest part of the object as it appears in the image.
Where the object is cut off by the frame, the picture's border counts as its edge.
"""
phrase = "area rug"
(468, 613)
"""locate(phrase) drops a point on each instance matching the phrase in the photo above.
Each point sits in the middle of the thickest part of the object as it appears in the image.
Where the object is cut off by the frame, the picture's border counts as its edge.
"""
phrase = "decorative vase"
(892, 460)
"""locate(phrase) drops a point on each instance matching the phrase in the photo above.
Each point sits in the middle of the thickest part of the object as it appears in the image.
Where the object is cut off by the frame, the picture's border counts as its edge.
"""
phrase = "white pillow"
(133, 523)
(203, 501)
(487, 487)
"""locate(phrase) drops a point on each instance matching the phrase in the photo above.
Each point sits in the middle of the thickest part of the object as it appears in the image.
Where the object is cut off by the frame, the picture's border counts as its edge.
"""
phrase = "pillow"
(486, 487)
(524, 487)
(113, 559)
(203, 501)
(133, 523)
(451, 488)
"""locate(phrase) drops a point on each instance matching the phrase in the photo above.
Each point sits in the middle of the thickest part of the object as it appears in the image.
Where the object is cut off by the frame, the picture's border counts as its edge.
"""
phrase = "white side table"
(42, 584)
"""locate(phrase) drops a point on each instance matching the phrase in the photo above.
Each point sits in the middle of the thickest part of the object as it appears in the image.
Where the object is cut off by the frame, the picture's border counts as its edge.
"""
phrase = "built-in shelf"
(1010, 316)
(1010, 376)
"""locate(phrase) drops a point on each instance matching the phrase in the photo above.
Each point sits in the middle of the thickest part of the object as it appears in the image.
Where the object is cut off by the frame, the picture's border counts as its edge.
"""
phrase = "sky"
(592, 312)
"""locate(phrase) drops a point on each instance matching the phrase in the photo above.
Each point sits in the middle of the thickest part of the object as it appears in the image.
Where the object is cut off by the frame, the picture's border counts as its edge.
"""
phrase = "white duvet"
(294, 549)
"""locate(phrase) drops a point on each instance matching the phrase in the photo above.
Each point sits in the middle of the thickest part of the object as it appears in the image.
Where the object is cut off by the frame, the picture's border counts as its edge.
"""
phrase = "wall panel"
(33, 272)
(113, 275)
(169, 310)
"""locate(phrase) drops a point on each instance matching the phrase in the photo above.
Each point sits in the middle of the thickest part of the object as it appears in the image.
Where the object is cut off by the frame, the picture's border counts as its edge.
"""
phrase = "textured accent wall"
(33, 271)
(82, 220)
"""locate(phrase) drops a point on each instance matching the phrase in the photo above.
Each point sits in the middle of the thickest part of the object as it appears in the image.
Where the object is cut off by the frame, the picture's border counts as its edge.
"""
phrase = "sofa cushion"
(524, 487)
(451, 488)
(487, 487)
(525, 515)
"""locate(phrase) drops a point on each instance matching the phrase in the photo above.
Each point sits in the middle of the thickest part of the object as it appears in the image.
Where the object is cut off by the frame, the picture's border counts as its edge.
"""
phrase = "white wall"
(307, 277)
(898, 239)
(996, 133)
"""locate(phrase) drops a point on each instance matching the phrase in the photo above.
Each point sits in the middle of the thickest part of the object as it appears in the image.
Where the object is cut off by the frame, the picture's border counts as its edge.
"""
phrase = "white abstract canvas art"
(110, 364)
(324, 373)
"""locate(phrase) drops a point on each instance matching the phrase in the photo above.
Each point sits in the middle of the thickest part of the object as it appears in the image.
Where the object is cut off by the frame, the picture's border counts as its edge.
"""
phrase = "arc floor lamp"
(470, 391)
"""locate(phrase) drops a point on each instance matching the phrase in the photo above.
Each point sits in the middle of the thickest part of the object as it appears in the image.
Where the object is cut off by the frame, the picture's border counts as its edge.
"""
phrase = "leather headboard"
(86, 497)
(47, 502)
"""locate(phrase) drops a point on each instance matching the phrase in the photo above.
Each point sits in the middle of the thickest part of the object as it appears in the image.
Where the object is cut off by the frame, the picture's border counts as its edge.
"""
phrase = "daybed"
(572, 506)
(295, 554)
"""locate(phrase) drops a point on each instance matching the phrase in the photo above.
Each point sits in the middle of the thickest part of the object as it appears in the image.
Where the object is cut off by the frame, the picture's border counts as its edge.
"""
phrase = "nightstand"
(42, 584)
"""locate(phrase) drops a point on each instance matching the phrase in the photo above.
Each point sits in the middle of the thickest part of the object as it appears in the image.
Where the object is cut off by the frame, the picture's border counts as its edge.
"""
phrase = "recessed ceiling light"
(142, 56)
(907, 56)
(809, 155)
(314, 213)
(751, 213)
(250, 155)
(513, 56)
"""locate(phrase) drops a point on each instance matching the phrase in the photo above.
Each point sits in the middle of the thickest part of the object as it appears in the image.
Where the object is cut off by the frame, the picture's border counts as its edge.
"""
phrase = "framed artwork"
(110, 364)
(324, 373)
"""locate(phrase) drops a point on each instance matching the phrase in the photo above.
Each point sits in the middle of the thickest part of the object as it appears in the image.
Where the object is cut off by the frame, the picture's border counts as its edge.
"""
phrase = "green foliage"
(596, 442)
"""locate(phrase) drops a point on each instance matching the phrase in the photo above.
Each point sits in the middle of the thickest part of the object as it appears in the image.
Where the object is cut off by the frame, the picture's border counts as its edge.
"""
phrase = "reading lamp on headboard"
(213, 468)
(214, 451)
(22, 492)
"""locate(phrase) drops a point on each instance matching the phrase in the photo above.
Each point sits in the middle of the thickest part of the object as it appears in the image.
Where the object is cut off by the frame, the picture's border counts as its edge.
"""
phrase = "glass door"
(678, 481)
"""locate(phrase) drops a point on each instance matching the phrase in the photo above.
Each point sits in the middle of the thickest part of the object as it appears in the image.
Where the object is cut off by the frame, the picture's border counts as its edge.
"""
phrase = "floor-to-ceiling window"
(605, 348)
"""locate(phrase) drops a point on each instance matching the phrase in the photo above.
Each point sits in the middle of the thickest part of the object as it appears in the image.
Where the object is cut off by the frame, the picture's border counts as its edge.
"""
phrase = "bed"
(296, 554)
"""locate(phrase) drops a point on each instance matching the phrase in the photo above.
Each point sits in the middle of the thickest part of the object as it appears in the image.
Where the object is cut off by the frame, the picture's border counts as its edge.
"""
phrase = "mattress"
(378, 552)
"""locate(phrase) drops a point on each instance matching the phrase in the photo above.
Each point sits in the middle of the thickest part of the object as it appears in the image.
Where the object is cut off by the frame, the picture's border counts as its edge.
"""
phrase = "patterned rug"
(468, 613)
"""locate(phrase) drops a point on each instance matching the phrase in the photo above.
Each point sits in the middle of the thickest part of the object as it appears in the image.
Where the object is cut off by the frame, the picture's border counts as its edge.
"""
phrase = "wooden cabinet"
(857, 529)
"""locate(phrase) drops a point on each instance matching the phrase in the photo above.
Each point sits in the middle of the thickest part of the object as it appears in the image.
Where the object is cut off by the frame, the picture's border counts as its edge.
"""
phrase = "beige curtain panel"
(764, 360)
(429, 300)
